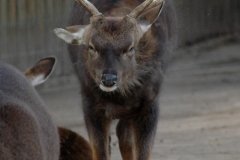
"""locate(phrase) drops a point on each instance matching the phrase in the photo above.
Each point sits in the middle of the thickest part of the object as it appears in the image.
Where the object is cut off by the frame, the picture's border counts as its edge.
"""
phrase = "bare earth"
(200, 108)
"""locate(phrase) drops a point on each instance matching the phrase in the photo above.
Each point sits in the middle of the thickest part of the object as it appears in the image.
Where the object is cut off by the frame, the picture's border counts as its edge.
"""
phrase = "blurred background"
(26, 30)
(26, 35)
(200, 105)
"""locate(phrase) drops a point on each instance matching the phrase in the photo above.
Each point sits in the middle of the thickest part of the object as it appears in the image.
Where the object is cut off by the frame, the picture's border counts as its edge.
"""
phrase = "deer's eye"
(130, 52)
(92, 51)
(131, 49)
(90, 48)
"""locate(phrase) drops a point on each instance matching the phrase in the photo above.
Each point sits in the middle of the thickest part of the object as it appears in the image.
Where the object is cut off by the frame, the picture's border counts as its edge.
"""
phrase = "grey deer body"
(27, 131)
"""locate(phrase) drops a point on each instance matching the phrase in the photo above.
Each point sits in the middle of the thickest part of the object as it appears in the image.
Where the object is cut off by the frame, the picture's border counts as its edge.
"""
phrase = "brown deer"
(27, 131)
(120, 63)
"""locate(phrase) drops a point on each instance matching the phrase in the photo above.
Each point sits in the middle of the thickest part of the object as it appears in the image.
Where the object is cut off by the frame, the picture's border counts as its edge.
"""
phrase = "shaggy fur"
(114, 41)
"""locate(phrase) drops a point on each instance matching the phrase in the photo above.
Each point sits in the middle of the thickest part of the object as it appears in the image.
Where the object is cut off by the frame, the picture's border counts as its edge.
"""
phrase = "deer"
(72, 145)
(119, 56)
(27, 130)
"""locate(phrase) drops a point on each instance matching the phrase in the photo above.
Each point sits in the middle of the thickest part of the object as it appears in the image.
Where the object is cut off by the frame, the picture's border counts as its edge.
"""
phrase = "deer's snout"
(109, 78)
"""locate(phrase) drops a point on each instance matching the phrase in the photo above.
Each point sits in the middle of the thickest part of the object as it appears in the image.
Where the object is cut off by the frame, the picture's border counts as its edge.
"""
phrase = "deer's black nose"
(109, 77)
(109, 80)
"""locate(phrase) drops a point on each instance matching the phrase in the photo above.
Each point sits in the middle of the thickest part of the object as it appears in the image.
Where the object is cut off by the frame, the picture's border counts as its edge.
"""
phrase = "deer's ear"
(72, 35)
(40, 71)
(150, 15)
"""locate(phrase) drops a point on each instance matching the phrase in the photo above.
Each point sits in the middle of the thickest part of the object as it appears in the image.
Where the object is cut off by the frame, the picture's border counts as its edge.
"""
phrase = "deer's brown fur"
(73, 146)
(133, 48)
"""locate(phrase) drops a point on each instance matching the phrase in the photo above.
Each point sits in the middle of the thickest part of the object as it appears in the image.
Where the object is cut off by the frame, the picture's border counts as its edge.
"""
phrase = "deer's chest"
(125, 109)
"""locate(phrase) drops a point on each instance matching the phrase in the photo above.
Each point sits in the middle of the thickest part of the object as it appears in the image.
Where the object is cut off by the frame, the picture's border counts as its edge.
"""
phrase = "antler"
(89, 6)
(139, 9)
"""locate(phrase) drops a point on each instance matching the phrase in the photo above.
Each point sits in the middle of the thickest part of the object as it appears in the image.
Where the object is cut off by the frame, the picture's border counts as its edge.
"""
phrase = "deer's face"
(111, 46)
(110, 56)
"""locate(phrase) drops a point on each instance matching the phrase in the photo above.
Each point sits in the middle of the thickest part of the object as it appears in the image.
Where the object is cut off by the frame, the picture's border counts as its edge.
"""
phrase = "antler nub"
(89, 6)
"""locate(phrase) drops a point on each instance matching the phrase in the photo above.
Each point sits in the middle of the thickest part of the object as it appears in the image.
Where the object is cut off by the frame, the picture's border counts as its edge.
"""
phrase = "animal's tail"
(73, 146)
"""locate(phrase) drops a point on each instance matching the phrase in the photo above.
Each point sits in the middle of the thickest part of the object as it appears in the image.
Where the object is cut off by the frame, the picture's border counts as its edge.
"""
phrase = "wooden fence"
(26, 33)
(26, 29)
(200, 20)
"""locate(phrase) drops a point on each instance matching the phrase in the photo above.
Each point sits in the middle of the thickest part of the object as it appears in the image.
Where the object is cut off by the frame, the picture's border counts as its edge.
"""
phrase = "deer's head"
(112, 42)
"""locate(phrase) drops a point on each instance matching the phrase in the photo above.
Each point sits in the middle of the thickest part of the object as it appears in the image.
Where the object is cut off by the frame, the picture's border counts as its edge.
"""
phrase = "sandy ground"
(200, 108)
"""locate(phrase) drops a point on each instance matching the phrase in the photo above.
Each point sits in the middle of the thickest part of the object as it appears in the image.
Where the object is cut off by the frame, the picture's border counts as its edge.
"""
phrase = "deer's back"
(26, 128)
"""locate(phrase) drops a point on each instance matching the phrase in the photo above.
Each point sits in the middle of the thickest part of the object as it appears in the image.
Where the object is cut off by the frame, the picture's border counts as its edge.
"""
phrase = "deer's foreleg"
(144, 130)
(98, 131)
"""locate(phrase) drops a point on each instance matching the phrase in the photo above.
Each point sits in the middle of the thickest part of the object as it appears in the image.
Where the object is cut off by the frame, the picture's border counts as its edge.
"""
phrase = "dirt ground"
(200, 108)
